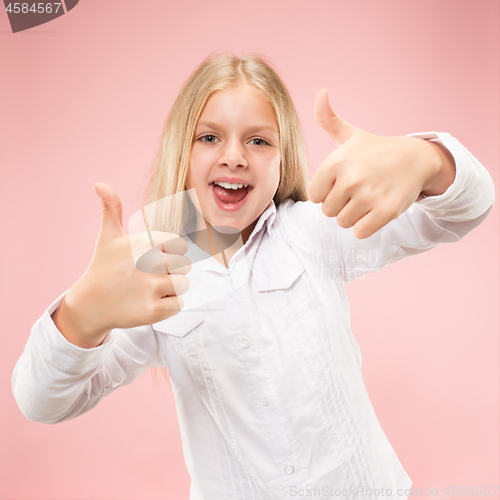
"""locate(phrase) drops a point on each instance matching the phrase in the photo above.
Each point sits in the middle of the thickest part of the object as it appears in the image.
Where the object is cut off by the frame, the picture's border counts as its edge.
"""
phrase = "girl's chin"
(224, 226)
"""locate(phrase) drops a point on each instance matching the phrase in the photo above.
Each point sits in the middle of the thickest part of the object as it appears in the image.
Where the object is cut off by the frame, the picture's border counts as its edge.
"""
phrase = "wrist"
(441, 166)
(78, 326)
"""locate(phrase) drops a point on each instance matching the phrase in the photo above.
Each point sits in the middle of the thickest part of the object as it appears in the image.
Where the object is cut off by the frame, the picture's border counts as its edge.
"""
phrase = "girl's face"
(236, 141)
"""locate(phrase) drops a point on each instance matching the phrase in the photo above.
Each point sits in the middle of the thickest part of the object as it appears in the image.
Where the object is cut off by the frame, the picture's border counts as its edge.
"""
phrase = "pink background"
(83, 99)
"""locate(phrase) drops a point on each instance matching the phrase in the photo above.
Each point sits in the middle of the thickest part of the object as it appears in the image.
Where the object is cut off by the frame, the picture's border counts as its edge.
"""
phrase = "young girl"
(265, 370)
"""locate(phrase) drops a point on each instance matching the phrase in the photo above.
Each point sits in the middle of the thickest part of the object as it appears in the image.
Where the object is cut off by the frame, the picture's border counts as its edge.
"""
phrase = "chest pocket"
(278, 270)
(181, 324)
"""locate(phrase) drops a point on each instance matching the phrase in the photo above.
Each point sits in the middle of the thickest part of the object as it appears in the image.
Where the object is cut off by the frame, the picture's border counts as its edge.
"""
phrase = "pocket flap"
(180, 324)
(277, 271)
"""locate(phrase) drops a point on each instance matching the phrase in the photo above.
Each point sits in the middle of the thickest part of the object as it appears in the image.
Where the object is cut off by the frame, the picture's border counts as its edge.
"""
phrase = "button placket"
(263, 401)
(245, 342)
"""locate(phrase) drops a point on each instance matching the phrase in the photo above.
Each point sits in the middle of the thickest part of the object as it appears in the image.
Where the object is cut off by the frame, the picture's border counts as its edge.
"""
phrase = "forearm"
(55, 380)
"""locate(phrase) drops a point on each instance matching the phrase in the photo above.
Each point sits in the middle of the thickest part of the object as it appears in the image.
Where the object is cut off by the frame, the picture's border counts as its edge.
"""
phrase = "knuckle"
(343, 221)
(362, 233)
(178, 264)
(382, 210)
(351, 181)
(331, 166)
(388, 213)
(162, 236)
(153, 288)
(150, 309)
(187, 267)
(367, 195)
(139, 244)
(324, 119)
(172, 306)
(180, 283)
(311, 193)
(172, 243)
(111, 207)
(328, 210)
(151, 284)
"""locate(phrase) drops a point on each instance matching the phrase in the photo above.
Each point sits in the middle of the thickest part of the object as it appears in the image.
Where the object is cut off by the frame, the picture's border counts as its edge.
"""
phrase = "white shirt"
(267, 377)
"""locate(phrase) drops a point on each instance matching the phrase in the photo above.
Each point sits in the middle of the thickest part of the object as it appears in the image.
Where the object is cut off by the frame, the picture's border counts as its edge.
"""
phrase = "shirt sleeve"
(427, 223)
(55, 380)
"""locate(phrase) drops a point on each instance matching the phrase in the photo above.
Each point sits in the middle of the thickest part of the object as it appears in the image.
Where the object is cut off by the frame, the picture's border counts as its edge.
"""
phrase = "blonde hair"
(170, 166)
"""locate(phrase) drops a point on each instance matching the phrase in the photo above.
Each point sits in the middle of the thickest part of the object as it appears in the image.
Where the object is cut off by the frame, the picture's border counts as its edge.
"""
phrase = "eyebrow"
(253, 128)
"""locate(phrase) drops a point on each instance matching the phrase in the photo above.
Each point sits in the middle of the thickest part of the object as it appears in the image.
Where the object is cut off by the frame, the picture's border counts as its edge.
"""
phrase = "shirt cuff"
(472, 192)
(56, 349)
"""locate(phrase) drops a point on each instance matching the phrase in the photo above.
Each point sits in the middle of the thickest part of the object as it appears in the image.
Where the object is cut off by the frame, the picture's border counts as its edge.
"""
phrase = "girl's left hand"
(370, 180)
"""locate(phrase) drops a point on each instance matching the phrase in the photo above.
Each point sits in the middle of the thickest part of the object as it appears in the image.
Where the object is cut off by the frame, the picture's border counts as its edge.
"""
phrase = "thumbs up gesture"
(370, 180)
(113, 293)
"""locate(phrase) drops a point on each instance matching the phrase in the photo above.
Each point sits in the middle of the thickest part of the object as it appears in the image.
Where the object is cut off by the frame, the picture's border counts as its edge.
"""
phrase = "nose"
(233, 155)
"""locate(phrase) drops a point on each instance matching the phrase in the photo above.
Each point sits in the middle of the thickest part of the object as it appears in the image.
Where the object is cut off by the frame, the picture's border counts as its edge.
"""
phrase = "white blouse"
(265, 370)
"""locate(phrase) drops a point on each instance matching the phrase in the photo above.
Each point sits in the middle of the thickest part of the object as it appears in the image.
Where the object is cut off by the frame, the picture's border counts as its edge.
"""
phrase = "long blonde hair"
(170, 166)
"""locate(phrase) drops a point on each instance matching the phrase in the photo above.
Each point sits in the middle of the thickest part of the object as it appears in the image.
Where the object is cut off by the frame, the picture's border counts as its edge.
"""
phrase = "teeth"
(230, 185)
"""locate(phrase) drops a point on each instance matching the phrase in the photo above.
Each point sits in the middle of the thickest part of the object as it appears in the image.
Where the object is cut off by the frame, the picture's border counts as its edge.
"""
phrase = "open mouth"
(230, 195)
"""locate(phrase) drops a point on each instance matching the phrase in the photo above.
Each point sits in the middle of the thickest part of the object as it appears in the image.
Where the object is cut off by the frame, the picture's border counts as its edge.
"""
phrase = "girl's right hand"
(113, 293)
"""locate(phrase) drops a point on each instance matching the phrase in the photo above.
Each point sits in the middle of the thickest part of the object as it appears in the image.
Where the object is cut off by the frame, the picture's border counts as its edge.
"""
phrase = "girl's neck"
(211, 241)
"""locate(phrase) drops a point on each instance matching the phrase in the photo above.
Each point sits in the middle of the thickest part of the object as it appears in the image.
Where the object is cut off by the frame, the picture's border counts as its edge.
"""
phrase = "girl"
(264, 368)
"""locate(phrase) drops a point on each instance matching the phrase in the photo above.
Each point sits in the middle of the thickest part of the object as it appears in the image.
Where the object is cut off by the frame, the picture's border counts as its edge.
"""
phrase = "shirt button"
(263, 401)
(228, 277)
(289, 469)
(245, 343)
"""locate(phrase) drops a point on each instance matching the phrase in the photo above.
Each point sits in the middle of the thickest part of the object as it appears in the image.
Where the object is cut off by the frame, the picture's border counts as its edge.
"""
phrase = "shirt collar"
(267, 218)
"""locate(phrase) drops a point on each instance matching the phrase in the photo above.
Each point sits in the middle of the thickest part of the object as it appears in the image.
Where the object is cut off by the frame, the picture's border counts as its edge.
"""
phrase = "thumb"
(338, 129)
(111, 219)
